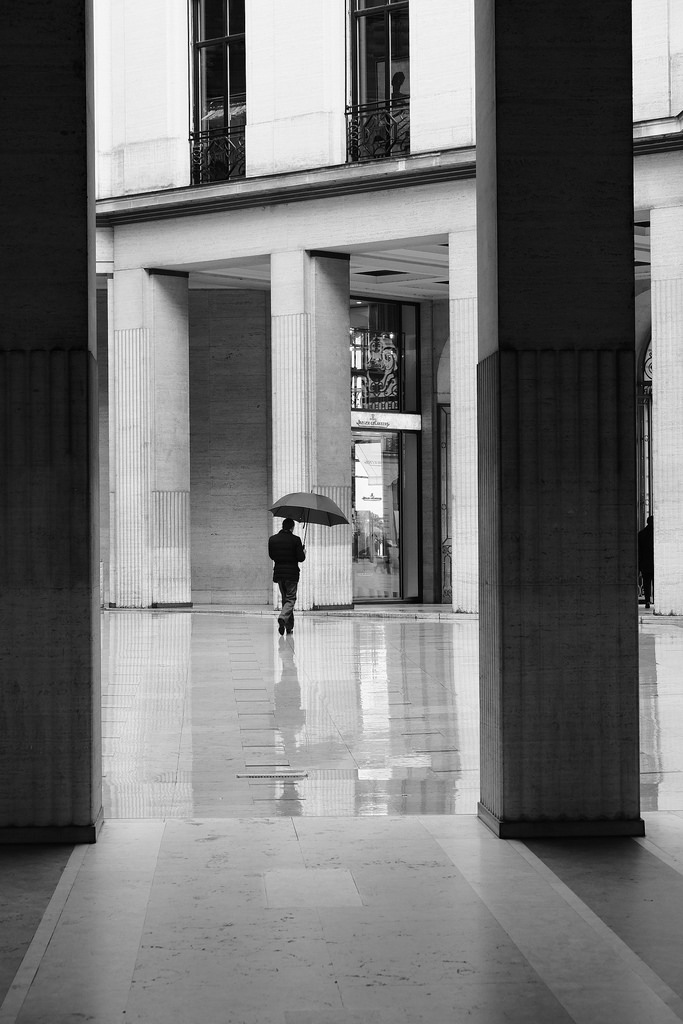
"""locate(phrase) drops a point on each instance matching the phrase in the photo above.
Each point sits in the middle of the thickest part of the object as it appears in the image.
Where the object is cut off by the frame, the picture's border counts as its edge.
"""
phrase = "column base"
(557, 829)
(331, 607)
(71, 834)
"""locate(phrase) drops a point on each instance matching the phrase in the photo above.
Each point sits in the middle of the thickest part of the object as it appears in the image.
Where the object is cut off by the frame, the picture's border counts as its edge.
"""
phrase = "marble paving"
(290, 838)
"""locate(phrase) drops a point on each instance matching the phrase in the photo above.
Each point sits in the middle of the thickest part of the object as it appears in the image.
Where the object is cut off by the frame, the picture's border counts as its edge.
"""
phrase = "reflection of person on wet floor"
(290, 718)
(646, 559)
(287, 551)
(289, 714)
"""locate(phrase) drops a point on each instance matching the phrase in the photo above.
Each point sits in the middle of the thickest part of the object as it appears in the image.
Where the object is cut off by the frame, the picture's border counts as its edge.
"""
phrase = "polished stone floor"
(291, 838)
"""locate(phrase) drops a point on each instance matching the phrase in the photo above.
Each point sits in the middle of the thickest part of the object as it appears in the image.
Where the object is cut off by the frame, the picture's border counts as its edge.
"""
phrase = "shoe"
(289, 631)
(281, 627)
(647, 604)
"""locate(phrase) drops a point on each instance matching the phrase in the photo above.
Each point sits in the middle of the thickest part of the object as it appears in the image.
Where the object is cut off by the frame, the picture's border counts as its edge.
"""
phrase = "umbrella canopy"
(309, 508)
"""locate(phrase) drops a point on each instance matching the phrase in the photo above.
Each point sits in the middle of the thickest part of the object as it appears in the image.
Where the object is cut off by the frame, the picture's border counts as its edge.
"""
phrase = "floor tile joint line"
(657, 985)
(657, 851)
(28, 968)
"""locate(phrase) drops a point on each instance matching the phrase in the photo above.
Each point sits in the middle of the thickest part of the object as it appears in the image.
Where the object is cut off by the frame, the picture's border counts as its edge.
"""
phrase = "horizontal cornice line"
(197, 204)
(658, 143)
(305, 192)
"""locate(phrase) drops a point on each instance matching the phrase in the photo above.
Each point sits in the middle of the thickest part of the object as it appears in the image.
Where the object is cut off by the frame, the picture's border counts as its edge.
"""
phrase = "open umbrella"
(307, 508)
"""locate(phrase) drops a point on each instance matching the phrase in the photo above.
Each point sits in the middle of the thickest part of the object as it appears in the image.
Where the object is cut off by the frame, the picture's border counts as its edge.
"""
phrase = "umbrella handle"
(305, 532)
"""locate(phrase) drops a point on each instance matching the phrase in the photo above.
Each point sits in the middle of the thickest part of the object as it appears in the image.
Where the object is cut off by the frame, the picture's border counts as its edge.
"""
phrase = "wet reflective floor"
(290, 838)
(216, 715)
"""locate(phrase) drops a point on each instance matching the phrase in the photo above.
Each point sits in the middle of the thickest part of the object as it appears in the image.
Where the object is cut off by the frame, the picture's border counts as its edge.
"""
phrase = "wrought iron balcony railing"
(217, 154)
(377, 130)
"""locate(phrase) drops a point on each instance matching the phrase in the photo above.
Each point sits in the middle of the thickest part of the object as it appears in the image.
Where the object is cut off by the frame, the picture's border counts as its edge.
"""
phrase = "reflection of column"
(311, 421)
(149, 440)
(328, 682)
(558, 668)
(662, 783)
(466, 644)
(666, 226)
(651, 775)
(147, 746)
(463, 351)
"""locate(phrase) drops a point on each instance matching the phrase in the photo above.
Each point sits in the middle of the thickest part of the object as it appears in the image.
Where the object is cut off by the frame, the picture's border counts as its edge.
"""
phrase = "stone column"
(50, 755)
(149, 430)
(558, 613)
(462, 290)
(666, 231)
(311, 408)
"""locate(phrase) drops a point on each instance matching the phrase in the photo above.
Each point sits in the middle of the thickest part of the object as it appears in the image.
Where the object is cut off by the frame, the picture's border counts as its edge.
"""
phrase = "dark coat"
(646, 560)
(287, 551)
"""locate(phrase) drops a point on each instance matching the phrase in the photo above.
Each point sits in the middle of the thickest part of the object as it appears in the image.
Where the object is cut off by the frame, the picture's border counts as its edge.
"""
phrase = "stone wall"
(230, 447)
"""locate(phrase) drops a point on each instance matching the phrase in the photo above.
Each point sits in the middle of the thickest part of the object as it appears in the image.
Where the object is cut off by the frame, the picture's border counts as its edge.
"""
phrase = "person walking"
(286, 551)
(646, 558)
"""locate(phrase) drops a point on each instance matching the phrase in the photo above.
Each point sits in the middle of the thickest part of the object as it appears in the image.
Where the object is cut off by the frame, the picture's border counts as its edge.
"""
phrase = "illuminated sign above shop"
(386, 420)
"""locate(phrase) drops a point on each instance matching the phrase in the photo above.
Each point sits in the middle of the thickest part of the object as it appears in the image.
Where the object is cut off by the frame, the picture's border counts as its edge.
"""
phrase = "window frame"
(408, 377)
(201, 44)
(389, 8)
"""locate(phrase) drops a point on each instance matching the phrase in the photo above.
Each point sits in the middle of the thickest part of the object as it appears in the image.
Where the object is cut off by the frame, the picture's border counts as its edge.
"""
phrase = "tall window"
(220, 94)
(384, 354)
(378, 120)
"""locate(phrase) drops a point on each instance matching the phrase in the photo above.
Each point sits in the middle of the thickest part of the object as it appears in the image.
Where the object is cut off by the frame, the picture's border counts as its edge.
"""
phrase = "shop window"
(220, 96)
(378, 119)
(384, 356)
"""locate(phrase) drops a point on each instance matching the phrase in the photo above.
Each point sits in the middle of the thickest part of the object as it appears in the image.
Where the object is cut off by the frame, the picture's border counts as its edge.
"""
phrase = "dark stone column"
(558, 622)
(50, 763)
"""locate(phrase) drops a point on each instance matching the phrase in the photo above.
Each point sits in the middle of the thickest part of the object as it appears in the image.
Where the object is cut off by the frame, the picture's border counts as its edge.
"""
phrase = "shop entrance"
(385, 516)
(385, 425)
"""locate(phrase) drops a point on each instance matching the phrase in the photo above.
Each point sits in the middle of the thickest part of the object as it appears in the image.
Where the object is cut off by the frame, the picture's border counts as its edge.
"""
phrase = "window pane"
(375, 516)
(410, 376)
(372, 59)
(400, 64)
(211, 86)
(384, 316)
(237, 89)
(210, 21)
(235, 16)
(410, 517)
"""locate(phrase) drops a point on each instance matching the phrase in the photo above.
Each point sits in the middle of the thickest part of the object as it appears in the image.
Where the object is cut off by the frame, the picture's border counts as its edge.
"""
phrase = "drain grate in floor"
(272, 775)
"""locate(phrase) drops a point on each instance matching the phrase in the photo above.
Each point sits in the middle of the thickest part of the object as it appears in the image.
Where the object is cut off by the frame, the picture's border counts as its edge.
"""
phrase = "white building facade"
(288, 295)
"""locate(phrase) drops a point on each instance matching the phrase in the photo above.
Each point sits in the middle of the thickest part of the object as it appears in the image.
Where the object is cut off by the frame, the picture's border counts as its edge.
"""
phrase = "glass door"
(385, 514)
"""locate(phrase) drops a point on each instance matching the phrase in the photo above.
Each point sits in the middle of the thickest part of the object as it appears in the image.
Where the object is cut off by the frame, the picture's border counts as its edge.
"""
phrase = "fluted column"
(149, 441)
(130, 431)
(50, 753)
(333, 584)
(311, 407)
(556, 407)
(666, 231)
(293, 399)
(463, 350)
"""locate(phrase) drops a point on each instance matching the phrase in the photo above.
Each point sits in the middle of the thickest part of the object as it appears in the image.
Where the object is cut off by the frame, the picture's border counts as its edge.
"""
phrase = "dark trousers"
(647, 585)
(288, 595)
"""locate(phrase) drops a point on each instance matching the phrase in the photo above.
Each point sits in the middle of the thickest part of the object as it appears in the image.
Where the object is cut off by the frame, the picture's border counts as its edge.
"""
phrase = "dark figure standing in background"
(287, 551)
(646, 559)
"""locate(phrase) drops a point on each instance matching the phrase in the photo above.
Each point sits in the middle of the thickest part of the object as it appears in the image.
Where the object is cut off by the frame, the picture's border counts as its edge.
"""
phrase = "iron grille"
(217, 154)
(375, 369)
(377, 130)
